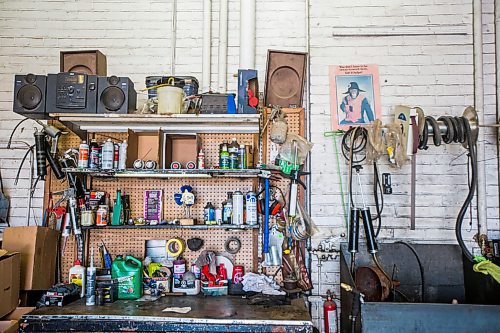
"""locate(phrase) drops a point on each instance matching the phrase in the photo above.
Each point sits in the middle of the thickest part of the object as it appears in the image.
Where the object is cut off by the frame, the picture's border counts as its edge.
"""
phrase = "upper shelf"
(173, 123)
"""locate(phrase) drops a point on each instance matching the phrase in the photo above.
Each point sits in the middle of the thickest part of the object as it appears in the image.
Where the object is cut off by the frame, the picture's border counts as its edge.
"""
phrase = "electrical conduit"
(223, 46)
(247, 34)
(207, 44)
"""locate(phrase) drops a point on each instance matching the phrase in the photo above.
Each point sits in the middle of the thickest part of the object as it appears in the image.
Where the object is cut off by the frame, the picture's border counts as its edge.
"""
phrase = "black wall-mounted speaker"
(29, 96)
(116, 95)
(71, 93)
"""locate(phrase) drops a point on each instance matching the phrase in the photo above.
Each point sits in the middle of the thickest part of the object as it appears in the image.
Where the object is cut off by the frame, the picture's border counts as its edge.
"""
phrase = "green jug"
(128, 271)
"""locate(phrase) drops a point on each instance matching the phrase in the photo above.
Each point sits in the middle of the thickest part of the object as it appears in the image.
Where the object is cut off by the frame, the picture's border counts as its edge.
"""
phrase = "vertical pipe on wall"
(479, 106)
(497, 62)
(247, 34)
(223, 46)
(207, 44)
(174, 37)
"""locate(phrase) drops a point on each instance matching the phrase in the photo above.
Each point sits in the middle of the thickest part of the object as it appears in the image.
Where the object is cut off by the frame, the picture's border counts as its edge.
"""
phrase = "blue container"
(152, 81)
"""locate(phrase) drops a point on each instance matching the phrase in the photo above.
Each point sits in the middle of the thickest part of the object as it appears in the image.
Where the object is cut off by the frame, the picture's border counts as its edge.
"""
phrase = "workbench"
(208, 314)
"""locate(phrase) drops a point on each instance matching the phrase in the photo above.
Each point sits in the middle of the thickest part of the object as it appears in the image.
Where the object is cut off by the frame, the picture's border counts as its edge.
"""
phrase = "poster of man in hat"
(354, 95)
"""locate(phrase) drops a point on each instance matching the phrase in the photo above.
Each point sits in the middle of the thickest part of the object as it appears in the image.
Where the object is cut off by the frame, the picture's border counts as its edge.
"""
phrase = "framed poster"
(354, 95)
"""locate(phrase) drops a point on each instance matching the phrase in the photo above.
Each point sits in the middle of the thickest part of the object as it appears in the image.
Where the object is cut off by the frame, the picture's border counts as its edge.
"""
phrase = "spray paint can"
(237, 208)
(242, 157)
(116, 155)
(122, 159)
(108, 153)
(94, 155)
(251, 208)
(83, 155)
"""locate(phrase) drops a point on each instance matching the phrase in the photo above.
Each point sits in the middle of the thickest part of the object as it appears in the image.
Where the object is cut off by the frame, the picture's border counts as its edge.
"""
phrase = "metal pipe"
(247, 34)
(207, 44)
(174, 37)
(497, 62)
(223, 46)
(479, 106)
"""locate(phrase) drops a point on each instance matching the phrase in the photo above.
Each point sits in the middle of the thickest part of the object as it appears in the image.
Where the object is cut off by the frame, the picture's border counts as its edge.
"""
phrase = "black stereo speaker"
(29, 96)
(116, 95)
(71, 93)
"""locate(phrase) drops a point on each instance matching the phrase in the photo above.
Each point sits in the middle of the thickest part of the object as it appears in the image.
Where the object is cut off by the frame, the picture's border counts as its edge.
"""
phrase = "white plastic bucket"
(170, 100)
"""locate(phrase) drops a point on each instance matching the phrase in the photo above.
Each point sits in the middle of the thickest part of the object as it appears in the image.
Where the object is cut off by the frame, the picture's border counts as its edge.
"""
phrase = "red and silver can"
(83, 155)
(116, 156)
(238, 272)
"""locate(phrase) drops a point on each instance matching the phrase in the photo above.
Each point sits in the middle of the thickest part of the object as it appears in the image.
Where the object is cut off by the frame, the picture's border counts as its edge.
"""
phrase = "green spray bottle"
(118, 209)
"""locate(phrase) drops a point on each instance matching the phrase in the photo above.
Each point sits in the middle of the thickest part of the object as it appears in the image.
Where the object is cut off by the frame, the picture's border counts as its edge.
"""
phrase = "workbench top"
(208, 314)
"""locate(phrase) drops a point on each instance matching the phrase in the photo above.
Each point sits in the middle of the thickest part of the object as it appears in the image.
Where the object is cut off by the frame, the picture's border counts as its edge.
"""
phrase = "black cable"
(420, 266)
(470, 195)
(449, 136)
(354, 145)
(30, 149)
(378, 207)
(12, 133)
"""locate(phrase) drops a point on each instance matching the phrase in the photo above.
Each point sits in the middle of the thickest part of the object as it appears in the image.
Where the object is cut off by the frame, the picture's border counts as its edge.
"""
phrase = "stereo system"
(36, 96)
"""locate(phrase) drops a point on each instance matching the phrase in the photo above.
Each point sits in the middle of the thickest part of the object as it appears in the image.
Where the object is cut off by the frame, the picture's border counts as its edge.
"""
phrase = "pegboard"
(212, 190)
(133, 242)
(295, 118)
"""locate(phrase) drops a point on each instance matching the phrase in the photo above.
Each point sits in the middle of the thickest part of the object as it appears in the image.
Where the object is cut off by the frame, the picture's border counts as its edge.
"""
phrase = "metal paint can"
(251, 208)
(237, 208)
(150, 164)
(238, 272)
(175, 165)
(138, 164)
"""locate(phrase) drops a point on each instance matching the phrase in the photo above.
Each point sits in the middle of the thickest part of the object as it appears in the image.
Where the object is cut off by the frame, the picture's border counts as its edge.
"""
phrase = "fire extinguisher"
(330, 315)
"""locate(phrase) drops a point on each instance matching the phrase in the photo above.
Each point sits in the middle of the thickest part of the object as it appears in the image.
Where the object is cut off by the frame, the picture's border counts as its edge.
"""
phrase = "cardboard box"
(143, 146)
(179, 148)
(10, 267)
(38, 248)
(9, 326)
(19, 312)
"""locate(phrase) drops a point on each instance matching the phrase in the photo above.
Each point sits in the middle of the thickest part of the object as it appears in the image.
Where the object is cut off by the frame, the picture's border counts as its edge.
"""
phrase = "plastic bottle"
(233, 147)
(116, 155)
(201, 160)
(128, 271)
(77, 276)
(224, 158)
(123, 156)
(108, 153)
(209, 214)
(227, 209)
(117, 218)
(242, 157)
(91, 280)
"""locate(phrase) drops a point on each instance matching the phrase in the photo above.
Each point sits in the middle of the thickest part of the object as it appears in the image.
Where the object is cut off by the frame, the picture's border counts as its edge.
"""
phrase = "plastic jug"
(170, 100)
(128, 271)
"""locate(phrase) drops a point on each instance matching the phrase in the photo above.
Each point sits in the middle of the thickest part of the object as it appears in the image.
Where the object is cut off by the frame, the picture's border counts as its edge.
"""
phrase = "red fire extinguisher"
(330, 315)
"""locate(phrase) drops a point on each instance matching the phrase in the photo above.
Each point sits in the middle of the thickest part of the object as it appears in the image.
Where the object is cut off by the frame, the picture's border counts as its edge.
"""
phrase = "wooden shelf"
(168, 173)
(174, 123)
(175, 226)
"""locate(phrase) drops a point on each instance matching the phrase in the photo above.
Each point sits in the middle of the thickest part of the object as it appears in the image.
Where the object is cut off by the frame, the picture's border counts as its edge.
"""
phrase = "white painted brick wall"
(434, 72)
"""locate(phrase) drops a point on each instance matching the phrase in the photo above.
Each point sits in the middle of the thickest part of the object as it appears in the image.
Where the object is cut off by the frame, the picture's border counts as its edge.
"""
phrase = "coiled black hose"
(472, 188)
